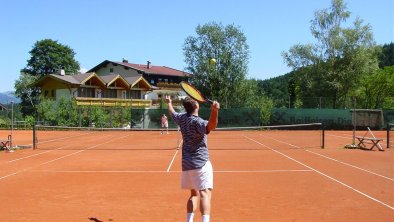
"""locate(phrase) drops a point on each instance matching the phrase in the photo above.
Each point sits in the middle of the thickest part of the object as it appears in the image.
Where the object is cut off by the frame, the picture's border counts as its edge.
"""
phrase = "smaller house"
(92, 89)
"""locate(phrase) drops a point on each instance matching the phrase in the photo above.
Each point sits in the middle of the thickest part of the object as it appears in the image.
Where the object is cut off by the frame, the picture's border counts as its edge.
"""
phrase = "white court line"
(172, 161)
(63, 138)
(161, 171)
(12, 174)
(173, 158)
(345, 137)
(100, 171)
(335, 160)
(62, 157)
(348, 164)
(260, 171)
(325, 175)
(37, 154)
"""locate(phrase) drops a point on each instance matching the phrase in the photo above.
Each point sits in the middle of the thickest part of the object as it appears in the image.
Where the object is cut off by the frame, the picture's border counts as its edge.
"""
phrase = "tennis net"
(295, 136)
(282, 136)
(91, 138)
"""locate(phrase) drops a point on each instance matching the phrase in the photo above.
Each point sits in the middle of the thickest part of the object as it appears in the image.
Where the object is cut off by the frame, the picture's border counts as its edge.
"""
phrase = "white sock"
(205, 218)
(190, 217)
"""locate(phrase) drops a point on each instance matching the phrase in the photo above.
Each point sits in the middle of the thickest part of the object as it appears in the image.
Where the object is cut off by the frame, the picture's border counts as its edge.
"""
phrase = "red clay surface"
(135, 176)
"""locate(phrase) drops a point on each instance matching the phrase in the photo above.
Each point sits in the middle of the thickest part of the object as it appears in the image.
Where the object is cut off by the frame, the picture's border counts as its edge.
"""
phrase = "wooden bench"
(374, 142)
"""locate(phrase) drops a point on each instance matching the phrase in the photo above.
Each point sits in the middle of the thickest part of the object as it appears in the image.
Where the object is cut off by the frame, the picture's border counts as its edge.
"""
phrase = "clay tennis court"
(135, 176)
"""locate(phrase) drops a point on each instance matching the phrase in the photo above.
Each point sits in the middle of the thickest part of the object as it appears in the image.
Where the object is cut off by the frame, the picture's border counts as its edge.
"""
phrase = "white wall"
(62, 93)
(117, 70)
(154, 94)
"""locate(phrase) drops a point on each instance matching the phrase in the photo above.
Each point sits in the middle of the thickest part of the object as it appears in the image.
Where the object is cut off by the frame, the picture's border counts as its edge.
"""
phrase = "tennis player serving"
(197, 172)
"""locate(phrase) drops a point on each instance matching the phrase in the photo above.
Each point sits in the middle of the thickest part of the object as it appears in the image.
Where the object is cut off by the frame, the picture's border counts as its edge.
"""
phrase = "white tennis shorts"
(198, 179)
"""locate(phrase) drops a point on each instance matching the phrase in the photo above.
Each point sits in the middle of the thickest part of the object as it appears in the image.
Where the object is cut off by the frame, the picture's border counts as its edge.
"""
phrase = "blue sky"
(155, 30)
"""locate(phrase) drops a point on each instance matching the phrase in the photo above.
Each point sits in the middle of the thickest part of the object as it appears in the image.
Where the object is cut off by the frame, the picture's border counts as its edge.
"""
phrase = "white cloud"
(82, 70)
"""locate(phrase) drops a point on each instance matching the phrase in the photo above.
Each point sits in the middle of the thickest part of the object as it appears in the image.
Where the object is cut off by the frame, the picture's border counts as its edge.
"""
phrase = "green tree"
(47, 57)
(279, 89)
(222, 80)
(120, 116)
(267, 105)
(27, 93)
(252, 93)
(62, 112)
(386, 58)
(335, 65)
(377, 90)
(47, 112)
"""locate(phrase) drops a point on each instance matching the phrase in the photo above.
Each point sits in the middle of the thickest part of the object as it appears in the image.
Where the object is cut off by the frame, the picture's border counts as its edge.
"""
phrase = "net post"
(388, 135)
(34, 137)
(323, 135)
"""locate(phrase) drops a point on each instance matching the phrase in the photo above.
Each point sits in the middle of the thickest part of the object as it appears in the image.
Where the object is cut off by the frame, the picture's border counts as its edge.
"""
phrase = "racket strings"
(192, 92)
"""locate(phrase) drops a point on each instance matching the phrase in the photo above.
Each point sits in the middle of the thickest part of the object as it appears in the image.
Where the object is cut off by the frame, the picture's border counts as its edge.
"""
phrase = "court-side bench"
(6, 143)
(374, 142)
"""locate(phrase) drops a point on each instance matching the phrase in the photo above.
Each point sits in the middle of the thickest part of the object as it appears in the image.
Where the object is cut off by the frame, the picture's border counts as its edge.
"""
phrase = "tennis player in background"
(164, 123)
(197, 172)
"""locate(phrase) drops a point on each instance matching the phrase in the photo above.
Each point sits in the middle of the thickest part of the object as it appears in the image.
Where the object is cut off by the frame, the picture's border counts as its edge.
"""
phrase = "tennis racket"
(194, 93)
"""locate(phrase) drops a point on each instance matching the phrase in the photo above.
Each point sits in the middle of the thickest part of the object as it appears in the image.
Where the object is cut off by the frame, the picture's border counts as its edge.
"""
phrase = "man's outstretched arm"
(213, 119)
(171, 109)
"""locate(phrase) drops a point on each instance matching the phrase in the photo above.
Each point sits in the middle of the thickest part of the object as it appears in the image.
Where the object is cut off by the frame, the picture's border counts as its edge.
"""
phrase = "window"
(110, 93)
(111, 69)
(133, 94)
(86, 92)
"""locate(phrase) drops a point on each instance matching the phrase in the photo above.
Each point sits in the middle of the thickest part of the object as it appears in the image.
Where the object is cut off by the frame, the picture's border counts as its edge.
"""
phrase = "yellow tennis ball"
(212, 61)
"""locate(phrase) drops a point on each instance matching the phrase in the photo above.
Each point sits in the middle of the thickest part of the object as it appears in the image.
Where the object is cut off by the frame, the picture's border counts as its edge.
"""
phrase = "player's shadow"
(97, 220)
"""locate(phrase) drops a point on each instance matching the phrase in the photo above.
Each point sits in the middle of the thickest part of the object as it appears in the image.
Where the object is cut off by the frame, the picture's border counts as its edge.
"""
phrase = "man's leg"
(192, 204)
(205, 204)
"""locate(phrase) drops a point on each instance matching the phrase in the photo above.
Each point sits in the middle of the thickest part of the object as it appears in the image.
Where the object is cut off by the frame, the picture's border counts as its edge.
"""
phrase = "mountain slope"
(7, 97)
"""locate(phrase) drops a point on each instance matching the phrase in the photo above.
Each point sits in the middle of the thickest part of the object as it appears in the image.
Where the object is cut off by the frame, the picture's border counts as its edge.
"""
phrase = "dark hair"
(189, 104)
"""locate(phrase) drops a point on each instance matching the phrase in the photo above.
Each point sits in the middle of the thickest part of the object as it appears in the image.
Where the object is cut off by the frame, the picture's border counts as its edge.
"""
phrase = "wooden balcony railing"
(109, 102)
(175, 103)
(169, 85)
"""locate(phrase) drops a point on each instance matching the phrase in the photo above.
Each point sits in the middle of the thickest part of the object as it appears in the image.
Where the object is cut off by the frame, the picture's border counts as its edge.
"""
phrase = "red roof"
(152, 70)
(158, 70)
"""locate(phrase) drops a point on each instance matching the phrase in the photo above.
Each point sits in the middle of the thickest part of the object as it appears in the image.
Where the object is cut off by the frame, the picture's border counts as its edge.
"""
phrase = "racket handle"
(209, 100)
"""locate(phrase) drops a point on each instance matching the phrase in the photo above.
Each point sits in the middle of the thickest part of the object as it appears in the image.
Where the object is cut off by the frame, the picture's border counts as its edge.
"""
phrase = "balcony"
(110, 102)
(166, 85)
(175, 103)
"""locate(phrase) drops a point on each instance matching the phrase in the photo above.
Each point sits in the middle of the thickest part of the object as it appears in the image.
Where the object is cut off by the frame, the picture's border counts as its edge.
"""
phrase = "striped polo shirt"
(194, 148)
